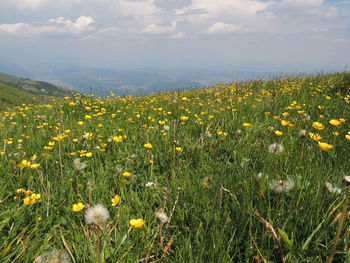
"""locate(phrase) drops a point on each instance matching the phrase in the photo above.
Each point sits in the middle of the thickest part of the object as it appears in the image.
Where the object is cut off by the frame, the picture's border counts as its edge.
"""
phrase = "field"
(247, 172)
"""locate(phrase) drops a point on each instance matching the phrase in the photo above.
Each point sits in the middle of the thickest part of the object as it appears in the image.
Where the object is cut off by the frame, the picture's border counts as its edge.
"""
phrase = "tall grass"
(211, 173)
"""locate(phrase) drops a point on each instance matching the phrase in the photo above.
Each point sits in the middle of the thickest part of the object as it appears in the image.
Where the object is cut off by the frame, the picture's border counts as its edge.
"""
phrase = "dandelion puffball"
(97, 215)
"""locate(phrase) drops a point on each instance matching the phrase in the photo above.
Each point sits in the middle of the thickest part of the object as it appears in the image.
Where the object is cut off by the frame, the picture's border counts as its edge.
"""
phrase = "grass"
(213, 174)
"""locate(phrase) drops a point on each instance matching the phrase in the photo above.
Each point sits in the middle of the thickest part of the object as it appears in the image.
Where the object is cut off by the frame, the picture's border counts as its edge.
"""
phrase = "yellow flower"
(78, 207)
(335, 122)
(325, 146)
(116, 200)
(318, 126)
(35, 166)
(347, 136)
(137, 223)
(315, 136)
(127, 174)
(24, 164)
(284, 123)
(35, 196)
(278, 133)
(148, 145)
(184, 118)
(179, 149)
(246, 124)
(88, 155)
(80, 123)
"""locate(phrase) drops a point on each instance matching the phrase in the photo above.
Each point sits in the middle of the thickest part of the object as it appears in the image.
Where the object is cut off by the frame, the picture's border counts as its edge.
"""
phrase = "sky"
(218, 34)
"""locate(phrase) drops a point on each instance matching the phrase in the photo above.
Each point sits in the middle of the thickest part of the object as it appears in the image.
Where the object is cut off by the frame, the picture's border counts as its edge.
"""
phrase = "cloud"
(57, 26)
(160, 30)
(145, 12)
(222, 28)
(178, 35)
(207, 9)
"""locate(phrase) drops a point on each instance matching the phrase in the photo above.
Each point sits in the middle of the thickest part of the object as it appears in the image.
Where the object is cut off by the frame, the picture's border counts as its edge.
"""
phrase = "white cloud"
(145, 12)
(178, 35)
(222, 28)
(58, 26)
(206, 9)
(160, 30)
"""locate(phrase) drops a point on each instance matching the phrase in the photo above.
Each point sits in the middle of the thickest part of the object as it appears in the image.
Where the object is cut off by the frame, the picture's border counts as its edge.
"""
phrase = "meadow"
(245, 172)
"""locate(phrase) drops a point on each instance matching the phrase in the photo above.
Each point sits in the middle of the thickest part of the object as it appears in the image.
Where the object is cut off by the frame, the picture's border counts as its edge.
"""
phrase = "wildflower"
(184, 118)
(79, 165)
(347, 136)
(332, 189)
(137, 223)
(24, 164)
(246, 124)
(88, 136)
(238, 132)
(88, 154)
(281, 186)
(53, 256)
(284, 123)
(127, 174)
(35, 166)
(116, 200)
(325, 146)
(148, 145)
(302, 133)
(78, 207)
(278, 133)
(275, 148)
(335, 122)
(179, 149)
(161, 216)
(150, 184)
(166, 128)
(315, 136)
(306, 116)
(318, 126)
(97, 215)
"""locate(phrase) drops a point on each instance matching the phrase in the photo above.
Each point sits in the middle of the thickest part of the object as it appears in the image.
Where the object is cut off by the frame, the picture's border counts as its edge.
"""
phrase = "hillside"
(16, 91)
(254, 171)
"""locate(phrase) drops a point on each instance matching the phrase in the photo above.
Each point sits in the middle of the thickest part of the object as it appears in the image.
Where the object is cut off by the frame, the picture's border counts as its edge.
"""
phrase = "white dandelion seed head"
(281, 186)
(306, 116)
(97, 215)
(238, 132)
(302, 133)
(259, 175)
(161, 216)
(78, 165)
(53, 256)
(332, 189)
(276, 148)
(150, 184)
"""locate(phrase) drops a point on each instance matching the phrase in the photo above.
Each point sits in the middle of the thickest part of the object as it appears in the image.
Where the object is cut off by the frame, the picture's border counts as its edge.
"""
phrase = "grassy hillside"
(15, 91)
(247, 172)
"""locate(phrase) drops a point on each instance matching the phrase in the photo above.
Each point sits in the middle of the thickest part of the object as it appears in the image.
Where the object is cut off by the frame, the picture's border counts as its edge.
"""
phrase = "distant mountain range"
(122, 82)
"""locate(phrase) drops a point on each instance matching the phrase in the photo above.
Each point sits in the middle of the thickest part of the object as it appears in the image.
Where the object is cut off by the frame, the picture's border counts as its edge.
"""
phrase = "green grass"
(210, 188)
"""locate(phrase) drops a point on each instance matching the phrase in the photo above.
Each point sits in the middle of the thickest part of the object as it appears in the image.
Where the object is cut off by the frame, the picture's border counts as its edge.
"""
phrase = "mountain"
(17, 91)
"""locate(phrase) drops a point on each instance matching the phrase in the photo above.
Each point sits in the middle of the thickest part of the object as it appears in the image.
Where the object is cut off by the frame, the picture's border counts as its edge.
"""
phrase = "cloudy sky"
(227, 34)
